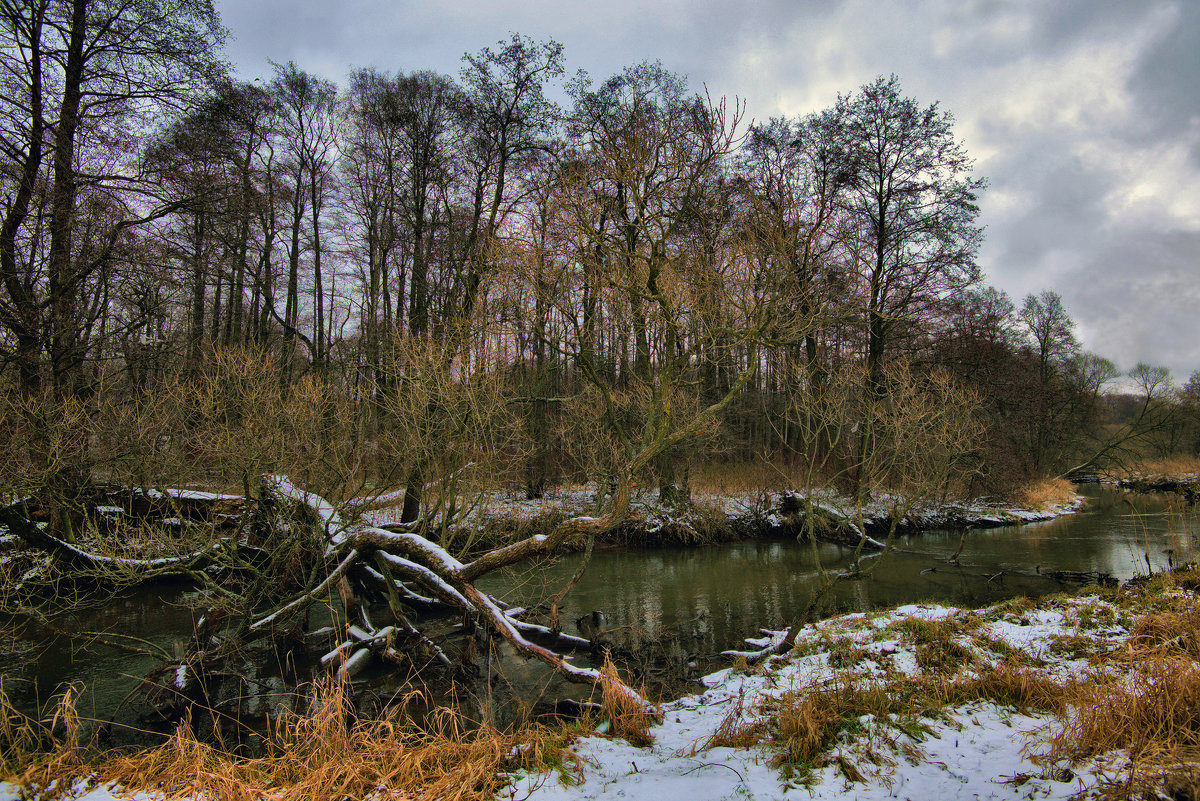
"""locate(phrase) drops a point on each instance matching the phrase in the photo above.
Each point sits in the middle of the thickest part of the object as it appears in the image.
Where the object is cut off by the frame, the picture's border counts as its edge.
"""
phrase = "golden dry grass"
(324, 753)
(1157, 712)
(742, 477)
(1045, 492)
(1170, 466)
(1165, 633)
(1007, 684)
(803, 725)
(631, 718)
(42, 751)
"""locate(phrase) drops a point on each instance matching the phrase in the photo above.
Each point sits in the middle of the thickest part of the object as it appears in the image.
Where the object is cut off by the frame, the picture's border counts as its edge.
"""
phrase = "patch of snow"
(979, 750)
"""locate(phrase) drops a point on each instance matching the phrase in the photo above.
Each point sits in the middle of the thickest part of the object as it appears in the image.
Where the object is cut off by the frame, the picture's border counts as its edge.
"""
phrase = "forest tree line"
(517, 274)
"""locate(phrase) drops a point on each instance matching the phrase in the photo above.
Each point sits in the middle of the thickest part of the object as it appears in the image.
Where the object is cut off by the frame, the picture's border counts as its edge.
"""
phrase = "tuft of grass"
(40, 752)
(631, 717)
(1089, 617)
(934, 641)
(1010, 685)
(1045, 492)
(844, 653)
(807, 724)
(1187, 580)
(1075, 646)
(1166, 633)
(1007, 653)
(1156, 713)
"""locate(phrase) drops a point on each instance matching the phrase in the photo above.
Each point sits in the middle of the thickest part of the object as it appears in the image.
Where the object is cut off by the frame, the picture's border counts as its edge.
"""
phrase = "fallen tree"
(292, 550)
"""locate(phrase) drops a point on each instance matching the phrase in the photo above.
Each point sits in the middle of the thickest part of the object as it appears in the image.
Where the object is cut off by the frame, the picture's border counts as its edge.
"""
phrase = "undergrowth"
(325, 752)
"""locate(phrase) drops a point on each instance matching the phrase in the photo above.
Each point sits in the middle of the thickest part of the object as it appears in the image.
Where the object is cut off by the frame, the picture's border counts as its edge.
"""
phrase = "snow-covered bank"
(920, 702)
(1185, 484)
(981, 748)
(728, 516)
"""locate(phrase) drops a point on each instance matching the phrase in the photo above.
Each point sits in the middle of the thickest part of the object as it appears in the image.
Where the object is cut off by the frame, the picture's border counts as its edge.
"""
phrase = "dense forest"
(469, 271)
(512, 279)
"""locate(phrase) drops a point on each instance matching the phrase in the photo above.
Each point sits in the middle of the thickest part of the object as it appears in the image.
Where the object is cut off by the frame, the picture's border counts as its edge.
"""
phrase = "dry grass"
(1009, 685)
(41, 752)
(1168, 633)
(1045, 492)
(631, 718)
(1157, 713)
(1153, 713)
(1170, 466)
(935, 644)
(324, 753)
(742, 477)
(802, 726)
(807, 724)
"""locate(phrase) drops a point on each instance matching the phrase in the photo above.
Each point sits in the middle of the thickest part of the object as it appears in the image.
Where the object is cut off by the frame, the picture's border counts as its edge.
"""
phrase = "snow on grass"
(80, 792)
(907, 724)
(977, 749)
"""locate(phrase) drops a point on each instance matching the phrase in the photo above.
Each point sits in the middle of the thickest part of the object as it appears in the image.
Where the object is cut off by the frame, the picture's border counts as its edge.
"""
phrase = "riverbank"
(1186, 485)
(714, 517)
(1096, 694)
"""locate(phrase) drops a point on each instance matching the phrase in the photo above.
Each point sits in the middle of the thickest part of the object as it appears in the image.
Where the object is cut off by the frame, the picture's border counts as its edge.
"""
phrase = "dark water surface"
(720, 594)
(683, 606)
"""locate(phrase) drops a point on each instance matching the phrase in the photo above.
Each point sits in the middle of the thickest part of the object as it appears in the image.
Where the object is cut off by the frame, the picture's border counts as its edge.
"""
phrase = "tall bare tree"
(913, 198)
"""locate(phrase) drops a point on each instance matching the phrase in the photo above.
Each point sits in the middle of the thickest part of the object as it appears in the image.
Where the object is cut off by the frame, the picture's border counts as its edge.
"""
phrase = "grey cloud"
(1138, 298)
(1165, 83)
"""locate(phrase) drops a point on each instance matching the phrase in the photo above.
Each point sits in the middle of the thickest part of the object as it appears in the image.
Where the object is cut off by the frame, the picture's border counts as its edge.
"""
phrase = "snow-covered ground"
(979, 750)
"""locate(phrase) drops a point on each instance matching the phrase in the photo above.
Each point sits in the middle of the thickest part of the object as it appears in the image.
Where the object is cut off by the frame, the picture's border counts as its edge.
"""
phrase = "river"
(671, 610)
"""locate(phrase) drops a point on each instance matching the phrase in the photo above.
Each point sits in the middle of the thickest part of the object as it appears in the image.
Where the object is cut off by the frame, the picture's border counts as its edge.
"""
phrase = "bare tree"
(914, 202)
(82, 76)
(307, 106)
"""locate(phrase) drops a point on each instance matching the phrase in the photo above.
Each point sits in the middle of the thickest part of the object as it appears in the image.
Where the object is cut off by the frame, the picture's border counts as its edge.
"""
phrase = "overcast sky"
(1084, 115)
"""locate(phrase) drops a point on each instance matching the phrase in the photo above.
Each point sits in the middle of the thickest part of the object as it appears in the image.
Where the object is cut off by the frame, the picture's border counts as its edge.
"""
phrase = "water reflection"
(718, 595)
(694, 602)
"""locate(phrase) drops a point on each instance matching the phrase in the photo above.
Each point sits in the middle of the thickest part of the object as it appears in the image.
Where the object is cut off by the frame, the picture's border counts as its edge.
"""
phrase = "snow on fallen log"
(450, 581)
(413, 545)
(568, 640)
(186, 495)
(284, 488)
(435, 583)
(356, 664)
(35, 535)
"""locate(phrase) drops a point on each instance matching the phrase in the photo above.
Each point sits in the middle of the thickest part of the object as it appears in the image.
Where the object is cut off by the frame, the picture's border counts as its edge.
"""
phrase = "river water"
(676, 606)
